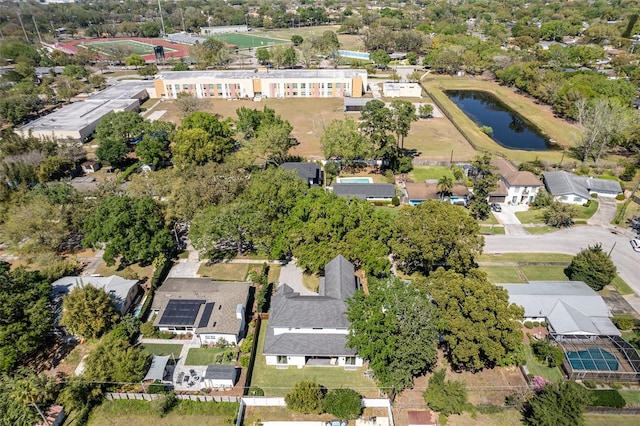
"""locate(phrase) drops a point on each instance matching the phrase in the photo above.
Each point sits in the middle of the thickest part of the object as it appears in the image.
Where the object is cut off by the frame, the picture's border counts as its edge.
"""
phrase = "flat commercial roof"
(248, 74)
(124, 90)
(78, 115)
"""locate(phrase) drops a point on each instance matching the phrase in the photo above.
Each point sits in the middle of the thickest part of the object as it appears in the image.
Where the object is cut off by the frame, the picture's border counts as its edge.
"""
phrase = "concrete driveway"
(507, 217)
(291, 275)
(605, 213)
(571, 241)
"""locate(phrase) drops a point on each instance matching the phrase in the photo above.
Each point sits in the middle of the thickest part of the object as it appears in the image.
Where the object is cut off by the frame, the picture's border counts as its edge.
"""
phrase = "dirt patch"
(537, 333)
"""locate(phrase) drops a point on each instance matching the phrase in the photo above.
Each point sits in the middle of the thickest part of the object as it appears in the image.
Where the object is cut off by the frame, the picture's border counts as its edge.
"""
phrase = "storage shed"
(220, 377)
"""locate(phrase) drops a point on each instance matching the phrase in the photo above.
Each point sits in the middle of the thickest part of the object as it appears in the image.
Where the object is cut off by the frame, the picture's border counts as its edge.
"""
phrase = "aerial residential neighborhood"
(319, 213)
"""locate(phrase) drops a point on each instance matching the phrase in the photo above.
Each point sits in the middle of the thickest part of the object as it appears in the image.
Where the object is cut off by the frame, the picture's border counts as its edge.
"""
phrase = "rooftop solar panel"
(206, 315)
(181, 312)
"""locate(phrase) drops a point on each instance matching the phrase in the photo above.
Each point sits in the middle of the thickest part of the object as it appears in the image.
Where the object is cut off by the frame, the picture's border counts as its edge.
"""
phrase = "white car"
(635, 245)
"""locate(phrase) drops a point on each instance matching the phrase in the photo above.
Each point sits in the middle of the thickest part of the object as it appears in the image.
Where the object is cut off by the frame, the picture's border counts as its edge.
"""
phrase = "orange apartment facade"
(263, 83)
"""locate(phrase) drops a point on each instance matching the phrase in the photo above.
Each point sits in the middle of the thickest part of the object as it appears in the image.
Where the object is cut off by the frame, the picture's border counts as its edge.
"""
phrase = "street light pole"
(161, 19)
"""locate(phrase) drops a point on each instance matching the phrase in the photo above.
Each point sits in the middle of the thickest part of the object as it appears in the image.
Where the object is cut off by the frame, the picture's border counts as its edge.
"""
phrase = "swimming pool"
(354, 180)
(593, 359)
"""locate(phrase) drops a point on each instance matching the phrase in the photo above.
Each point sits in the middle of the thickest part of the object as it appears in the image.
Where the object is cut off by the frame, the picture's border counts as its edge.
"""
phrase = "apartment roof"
(249, 74)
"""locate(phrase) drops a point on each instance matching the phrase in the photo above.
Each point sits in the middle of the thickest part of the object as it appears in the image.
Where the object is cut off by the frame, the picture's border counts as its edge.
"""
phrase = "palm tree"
(445, 185)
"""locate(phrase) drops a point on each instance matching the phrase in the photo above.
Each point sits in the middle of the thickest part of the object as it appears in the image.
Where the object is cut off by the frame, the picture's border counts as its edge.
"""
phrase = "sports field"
(132, 46)
(246, 41)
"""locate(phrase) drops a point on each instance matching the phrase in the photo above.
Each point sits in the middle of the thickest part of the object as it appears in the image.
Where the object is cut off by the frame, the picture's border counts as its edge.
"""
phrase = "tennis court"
(131, 46)
(246, 41)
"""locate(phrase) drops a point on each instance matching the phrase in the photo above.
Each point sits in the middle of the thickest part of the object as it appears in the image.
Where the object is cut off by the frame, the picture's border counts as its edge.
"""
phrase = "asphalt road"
(571, 241)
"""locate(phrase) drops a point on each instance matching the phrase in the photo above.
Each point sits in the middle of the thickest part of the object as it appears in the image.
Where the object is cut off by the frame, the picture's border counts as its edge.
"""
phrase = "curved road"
(571, 241)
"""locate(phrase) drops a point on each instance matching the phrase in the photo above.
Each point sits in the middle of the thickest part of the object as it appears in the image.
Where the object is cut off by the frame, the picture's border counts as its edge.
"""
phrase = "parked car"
(635, 244)
(496, 207)
(336, 423)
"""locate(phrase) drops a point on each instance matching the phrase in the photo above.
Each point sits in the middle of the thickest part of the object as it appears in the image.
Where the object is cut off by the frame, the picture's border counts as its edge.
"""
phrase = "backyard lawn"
(162, 348)
(631, 397)
(421, 173)
(502, 274)
(278, 382)
(525, 257)
(224, 271)
(210, 356)
(537, 369)
(544, 273)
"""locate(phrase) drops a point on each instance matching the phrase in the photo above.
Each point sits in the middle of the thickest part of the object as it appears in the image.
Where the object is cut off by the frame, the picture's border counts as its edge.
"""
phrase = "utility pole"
(161, 19)
(182, 17)
(37, 30)
(22, 25)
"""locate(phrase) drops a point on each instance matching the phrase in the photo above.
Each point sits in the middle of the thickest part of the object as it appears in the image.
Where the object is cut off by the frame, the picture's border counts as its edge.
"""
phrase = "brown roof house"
(514, 187)
(211, 310)
(419, 192)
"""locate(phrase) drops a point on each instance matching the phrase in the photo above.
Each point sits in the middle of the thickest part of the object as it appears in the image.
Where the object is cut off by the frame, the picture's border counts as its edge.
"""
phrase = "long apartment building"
(263, 83)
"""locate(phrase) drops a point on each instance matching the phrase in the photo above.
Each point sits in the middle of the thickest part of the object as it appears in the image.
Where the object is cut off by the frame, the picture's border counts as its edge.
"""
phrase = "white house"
(211, 310)
(572, 189)
(123, 292)
(514, 186)
(312, 330)
(571, 308)
(401, 90)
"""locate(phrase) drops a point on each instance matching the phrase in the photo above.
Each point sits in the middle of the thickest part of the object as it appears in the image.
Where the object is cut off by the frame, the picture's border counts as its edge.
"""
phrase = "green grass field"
(162, 349)
(525, 257)
(544, 273)
(224, 271)
(421, 173)
(537, 369)
(246, 41)
(132, 46)
(207, 356)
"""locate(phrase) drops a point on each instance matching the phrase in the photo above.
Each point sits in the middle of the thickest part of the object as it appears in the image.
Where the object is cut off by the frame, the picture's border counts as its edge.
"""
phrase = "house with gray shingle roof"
(572, 189)
(366, 191)
(569, 307)
(312, 330)
(311, 173)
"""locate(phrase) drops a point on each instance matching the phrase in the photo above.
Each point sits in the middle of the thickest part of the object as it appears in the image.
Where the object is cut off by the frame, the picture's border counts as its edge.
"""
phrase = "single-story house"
(308, 172)
(573, 189)
(355, 104)
(220, 377)
(570, 308)
(124, 293)
(211, 310)
(521, 186)
(419, 192)
(401, 90)
(312, 330)
(366, 191)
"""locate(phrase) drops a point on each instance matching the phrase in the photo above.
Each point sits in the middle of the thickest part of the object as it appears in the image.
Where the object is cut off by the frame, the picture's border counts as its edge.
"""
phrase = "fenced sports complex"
(130, 45)
(248, 41)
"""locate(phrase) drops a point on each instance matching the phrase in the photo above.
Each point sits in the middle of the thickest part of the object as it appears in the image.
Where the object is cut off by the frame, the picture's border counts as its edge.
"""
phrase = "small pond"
(509, 128)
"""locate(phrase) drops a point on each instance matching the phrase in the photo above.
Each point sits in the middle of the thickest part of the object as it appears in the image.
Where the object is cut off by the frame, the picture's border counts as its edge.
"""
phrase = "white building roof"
(570, 307)
(116, 287)
(249, 74)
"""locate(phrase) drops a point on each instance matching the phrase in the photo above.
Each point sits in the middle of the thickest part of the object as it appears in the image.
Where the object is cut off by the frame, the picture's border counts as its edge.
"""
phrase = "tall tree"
(593, 266)
(88, 312)
(445, 396)
(394, 328)
(202, 138)
(25, 316)
(113, 133)
(403, 113)
(305, 397)
(434, 234)
(342, 139)
(485, 180)
(131, 228)
(558, 404)
(479, 325)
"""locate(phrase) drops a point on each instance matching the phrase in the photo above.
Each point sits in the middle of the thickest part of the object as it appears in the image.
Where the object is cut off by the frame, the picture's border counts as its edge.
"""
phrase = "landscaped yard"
(211, 356)
(588, 211)
(421, 173)
(544, 273)
(144, 413)
(530, 216)
(525, 257)
(492, 230)
(162, 348)
(536, 215)
(631, 397)
(502, 274)
(537, 369)
(278, 382)
(224, 271)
